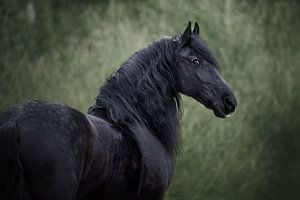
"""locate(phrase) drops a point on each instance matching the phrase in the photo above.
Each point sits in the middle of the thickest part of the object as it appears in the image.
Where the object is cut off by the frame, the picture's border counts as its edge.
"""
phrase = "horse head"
(198, 75)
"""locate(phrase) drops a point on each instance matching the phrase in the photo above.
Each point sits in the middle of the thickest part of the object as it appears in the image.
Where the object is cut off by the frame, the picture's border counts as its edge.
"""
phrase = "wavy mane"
(144, 90)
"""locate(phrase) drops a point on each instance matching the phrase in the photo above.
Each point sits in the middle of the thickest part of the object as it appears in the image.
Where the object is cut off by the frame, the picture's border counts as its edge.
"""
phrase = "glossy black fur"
(125, 146)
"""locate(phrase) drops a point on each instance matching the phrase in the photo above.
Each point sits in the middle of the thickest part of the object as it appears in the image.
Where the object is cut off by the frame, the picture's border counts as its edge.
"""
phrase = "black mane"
(144, 90)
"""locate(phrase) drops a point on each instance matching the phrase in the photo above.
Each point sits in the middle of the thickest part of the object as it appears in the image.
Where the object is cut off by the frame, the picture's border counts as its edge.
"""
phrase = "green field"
(63, 51)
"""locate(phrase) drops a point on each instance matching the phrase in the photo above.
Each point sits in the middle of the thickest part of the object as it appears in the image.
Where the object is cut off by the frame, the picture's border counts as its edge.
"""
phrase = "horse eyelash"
(196, 58)
(196, 61)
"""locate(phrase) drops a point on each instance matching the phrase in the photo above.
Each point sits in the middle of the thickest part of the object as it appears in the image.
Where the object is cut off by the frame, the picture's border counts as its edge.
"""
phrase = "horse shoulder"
(113, 162)
(157, 165)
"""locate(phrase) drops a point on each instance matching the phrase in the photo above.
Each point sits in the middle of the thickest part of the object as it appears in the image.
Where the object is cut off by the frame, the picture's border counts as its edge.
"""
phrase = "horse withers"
(125, 146)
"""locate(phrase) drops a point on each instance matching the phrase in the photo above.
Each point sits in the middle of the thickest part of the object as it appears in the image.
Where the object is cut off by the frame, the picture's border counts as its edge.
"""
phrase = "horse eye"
(196, 62)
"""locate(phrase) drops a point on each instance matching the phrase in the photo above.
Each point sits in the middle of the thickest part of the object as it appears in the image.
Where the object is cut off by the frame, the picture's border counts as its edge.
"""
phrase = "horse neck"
(144, 91)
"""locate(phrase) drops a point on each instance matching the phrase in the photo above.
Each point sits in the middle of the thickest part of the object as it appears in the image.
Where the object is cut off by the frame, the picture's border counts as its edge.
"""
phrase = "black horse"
(125, 146)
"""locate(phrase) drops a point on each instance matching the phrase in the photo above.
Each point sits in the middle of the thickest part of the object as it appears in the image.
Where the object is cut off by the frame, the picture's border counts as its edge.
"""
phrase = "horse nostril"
(229, 104)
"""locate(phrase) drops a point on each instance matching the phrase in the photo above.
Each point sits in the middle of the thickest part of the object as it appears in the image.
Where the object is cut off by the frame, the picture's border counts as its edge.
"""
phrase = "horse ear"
(186, 36)
(196, 29)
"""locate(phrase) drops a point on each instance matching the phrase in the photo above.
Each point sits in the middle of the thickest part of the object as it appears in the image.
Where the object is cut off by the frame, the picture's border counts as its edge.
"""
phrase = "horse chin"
(219, 113)
(215, 107)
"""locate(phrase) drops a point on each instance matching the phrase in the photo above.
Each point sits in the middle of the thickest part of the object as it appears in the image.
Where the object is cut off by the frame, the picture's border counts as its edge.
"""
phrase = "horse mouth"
(218, 109)
(222, 113)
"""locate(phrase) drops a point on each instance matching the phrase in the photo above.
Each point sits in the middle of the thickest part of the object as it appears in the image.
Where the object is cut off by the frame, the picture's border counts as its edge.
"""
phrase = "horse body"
(78, 156)
(125, 146)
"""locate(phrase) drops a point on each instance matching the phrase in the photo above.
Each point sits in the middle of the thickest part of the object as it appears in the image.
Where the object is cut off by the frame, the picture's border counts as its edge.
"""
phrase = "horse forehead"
(199, 45)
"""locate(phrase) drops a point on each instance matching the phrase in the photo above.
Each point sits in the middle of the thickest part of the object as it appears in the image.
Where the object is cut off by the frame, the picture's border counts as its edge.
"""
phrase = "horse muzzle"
(226, 107)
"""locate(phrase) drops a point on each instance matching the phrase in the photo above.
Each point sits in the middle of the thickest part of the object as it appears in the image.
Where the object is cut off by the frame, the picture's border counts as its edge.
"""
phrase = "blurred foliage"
(63, 51)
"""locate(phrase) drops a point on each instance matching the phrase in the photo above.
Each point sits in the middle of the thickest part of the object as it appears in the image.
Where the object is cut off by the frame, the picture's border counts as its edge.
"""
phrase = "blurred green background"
(63, 51)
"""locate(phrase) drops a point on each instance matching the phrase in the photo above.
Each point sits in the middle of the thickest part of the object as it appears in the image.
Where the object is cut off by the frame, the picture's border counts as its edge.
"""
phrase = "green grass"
(63, 51)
